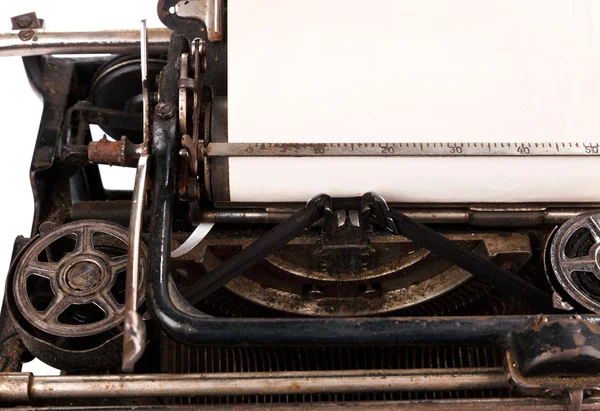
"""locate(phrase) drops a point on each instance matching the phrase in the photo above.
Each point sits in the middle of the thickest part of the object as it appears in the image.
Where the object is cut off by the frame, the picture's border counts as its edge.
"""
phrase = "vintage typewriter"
(188, 292)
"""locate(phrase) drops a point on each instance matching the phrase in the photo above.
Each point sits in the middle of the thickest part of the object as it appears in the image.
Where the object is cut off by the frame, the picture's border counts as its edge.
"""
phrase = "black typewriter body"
(347, 302)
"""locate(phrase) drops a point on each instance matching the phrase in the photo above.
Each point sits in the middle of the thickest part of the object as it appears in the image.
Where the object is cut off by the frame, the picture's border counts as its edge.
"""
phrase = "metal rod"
(95, 42)
(134, 337)
(119, 212)
(368, 149)
(23, 387)
(426, 215)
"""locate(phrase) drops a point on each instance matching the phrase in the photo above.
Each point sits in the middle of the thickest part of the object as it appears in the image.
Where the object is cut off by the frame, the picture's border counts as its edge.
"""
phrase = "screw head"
(24, 21)
(84, 276)
(26, 35)
(164, 110)
(46, 227)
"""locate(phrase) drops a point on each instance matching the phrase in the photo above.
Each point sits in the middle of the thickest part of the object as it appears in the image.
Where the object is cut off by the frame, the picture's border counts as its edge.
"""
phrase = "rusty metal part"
(42, 42)
(399, 275)
(210, 12)
(27, 21)
(24, 387)
(81, 277)
(123, 152)
(575, 259)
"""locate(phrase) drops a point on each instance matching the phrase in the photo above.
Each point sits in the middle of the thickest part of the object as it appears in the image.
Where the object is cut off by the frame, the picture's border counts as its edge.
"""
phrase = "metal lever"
(134, 337)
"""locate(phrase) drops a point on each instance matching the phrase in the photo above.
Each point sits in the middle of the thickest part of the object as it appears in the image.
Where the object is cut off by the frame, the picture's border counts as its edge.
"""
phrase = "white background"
(341, 71)
(20, 108)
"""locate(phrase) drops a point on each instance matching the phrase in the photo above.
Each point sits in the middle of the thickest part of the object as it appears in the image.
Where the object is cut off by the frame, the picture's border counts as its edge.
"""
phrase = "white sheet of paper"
(414, 71)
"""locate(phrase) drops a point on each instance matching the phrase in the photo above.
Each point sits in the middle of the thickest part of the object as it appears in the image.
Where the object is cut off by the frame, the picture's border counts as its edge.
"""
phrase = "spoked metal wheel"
(575, 258)
(70, 282)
